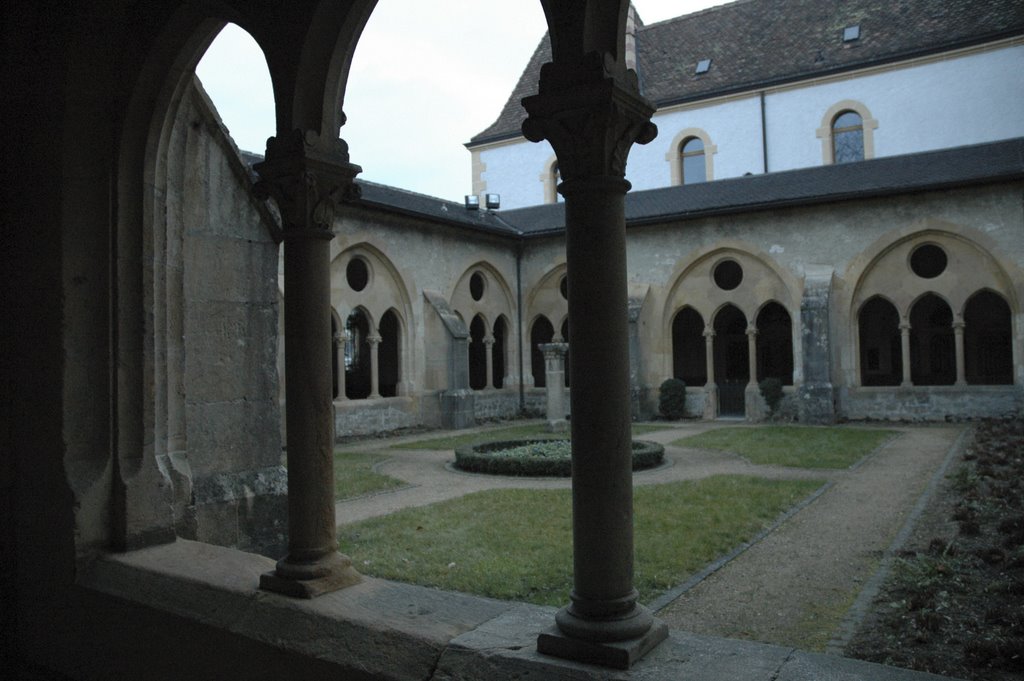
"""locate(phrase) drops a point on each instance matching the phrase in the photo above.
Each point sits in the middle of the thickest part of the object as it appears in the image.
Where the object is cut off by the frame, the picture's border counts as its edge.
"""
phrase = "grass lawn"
(799, 446)
(516, 544)
(531, 430)
(354, 475)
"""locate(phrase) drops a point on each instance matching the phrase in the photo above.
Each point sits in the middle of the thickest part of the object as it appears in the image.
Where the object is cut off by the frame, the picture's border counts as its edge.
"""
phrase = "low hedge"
(488, 457)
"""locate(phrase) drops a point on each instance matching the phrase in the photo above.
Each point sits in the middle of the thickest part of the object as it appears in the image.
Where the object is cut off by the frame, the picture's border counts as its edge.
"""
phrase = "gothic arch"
(497, 297)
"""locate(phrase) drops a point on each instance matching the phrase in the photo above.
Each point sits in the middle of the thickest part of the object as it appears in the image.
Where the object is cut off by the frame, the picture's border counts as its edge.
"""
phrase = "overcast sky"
(422, 84)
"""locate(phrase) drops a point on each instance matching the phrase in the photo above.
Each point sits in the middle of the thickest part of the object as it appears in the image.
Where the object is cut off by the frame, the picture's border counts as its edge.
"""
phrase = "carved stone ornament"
(591, 117)
(306, 176)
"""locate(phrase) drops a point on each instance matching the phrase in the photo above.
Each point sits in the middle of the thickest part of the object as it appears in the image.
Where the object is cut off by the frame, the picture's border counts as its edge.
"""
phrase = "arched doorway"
(477, 354)
(732, 360)
(498, 353)
(881, 354)
(988, 349)
(541, 332)
(775, 344)
(689, 351)
(932, 348)
(357, 356)
(389, 355)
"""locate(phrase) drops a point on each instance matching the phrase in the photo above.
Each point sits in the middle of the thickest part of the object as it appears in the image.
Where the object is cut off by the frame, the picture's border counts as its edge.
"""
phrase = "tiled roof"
(929, 171)
(758, 43)
(430, 208)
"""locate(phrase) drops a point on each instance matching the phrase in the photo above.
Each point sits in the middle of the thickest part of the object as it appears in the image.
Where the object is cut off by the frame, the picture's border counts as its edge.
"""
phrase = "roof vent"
(472, 202)
(851, 33)
(703, 66)
(493, 201)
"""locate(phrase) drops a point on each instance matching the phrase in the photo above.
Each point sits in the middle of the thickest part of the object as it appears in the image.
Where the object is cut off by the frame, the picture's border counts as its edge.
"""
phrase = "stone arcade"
(125, 441)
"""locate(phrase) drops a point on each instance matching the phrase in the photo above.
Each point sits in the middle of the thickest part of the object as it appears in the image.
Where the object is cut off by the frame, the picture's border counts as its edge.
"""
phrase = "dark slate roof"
(759, 43)
(929, 171)
(422, 207)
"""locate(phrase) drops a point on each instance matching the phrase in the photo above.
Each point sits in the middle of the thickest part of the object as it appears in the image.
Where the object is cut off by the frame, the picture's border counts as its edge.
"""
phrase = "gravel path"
(794, 586)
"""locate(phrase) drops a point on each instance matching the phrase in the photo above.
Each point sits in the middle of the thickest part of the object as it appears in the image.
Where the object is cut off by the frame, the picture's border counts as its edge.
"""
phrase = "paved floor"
(800, 578)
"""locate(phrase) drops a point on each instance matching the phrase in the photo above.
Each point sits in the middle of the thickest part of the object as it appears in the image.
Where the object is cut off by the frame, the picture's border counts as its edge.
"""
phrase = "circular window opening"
(563, 287)
(928, 261)
(476, 286)
(357, 274)
(728, 275)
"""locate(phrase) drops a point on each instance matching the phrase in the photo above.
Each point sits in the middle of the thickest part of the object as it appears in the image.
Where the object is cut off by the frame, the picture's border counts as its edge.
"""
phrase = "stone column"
(374, 342)
(306, 176)
(752, 400)
(958, 338)
(710, 388)
(554, 368)
(905, 353)
(489, 351)
(340, 339)
(816, 394)
(591, 113)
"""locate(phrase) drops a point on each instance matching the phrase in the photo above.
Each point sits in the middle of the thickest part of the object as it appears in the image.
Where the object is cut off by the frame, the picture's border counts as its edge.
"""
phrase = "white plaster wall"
(514, 170)
(734, 127)
(970, 99)
(965, 100)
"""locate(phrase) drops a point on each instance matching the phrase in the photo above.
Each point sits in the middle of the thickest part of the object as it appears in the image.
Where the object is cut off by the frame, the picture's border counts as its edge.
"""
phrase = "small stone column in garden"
(554, 371)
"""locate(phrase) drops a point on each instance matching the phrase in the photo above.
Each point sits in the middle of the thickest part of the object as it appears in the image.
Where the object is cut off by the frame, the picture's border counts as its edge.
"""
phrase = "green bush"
(548, 457)
(672, 402)
(771, 391)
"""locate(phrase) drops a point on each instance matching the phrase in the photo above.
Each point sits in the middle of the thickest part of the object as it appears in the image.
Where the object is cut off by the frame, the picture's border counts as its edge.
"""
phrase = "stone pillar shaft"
(374, 342)
(489, 351)
(339, 354)
(305, 175)
(710, 387)
(752, 355)
(958, 338)
(905, 353)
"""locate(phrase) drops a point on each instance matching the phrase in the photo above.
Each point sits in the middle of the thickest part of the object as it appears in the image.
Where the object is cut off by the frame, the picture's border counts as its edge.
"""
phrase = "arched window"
(775, 344)
(357, 356)
(932, 348)
(847, 137)
(498, 352)
(388, 355)
(689, 351)
(693, 168)
(881, 358)
(477, 354)
(542, 332)
(988, 353)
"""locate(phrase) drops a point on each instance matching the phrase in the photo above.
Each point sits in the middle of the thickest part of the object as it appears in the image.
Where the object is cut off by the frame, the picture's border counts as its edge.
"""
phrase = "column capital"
(553, 350)
(751, 330)
(306, 176)
(590, 117)
(959, 325)
(904, 326)
(488, 340)
(374, 340)
(708, 334)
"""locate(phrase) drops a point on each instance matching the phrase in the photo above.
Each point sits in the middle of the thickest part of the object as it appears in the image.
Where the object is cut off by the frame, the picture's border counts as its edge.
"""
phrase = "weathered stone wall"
(224, 447)
(932, 403)
(369, 417)
(495, 404)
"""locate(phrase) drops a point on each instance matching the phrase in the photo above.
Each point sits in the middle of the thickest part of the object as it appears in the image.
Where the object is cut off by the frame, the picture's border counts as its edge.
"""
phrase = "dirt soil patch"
(954, 604)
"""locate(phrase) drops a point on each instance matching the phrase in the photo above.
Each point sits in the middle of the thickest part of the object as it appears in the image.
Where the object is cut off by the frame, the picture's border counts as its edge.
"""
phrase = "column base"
(558, 425)
(614, 654)
(309, 580)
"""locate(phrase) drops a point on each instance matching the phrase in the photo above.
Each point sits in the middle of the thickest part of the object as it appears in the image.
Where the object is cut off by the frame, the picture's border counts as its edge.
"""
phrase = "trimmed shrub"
(672, 401)
(548, 457)
(771, 391)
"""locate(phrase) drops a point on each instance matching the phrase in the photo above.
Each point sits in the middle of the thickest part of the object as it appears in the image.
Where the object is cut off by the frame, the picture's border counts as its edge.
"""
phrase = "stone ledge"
(397, 631)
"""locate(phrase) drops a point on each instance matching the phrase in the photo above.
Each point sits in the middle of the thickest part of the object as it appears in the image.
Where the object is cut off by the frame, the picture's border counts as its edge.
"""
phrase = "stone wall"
(949, 403)
(370, 417)
(495, 404)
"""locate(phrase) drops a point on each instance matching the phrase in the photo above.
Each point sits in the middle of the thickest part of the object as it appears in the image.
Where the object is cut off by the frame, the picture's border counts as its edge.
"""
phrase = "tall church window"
(388, 355)
(689, 351)
(932, 346)
(847, 137)
(881, 358)
(477, 354)
(541, 332)
(775, 344)
(988, 353)
(691, 158)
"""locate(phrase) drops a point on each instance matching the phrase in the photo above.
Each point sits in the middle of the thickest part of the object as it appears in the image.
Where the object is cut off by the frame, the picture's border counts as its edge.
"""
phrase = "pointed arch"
(689, 349)
(988, 339)
(879, 343)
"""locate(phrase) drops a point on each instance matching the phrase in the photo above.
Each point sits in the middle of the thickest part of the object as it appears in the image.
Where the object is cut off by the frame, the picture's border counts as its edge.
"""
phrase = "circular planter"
(539, 458)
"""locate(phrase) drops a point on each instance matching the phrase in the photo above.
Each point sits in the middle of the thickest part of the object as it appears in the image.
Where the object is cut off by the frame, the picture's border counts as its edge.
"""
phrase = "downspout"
(764, 138)
(519, 314)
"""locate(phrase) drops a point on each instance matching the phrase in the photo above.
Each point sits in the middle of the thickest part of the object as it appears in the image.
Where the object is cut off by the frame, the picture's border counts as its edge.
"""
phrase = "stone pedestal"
(554, 370)
(591, 113)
